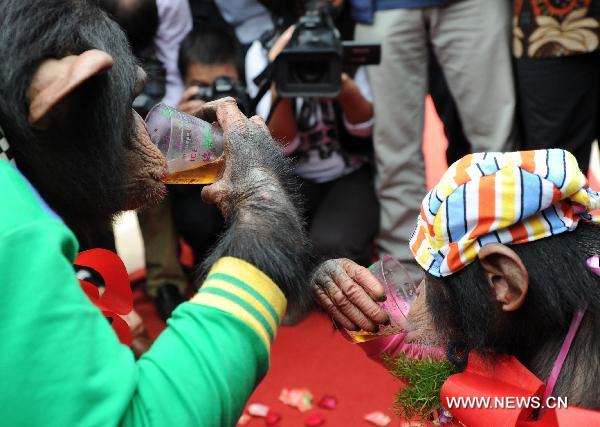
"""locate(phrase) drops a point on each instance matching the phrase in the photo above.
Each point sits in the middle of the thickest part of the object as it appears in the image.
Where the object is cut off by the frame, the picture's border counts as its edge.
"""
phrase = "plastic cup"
(193, 147)
(400, 292)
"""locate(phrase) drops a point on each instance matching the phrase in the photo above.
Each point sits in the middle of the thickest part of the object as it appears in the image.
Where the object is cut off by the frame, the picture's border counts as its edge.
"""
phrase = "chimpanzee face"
(423, 329)
(145, 166)
(70, 78)
(139, 164)
(487, 293)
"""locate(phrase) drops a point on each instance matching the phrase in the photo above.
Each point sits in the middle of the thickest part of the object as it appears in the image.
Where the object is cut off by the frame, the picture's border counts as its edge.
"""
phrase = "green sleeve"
(62, 365)
(204, 366)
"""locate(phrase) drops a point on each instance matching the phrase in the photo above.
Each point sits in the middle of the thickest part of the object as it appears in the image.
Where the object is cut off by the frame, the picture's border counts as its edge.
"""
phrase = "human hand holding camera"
(189, 102)
(356, 107)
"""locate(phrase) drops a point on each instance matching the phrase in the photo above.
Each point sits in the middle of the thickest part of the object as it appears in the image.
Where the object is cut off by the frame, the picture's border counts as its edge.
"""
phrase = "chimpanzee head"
(515, 295)
(505, 242)
(67, 79)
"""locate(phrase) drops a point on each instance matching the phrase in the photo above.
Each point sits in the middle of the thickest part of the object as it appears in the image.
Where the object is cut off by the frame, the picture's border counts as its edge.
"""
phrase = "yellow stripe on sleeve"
(246, 296)
(224, 304)
(251, 275)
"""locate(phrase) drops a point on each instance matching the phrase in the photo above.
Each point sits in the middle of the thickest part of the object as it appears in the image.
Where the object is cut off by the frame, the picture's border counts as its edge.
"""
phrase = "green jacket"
(62, 365)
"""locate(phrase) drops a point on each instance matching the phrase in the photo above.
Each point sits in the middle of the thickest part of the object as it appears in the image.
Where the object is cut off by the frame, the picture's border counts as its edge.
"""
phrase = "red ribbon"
(117, 298)
(505, 377)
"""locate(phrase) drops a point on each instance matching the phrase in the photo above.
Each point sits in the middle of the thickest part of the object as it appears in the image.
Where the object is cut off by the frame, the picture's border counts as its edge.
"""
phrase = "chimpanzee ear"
(506, 275)
(55, 79)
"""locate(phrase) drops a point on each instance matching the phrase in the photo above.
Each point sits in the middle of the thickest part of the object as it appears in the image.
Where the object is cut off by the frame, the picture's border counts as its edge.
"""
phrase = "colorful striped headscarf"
(509, 198)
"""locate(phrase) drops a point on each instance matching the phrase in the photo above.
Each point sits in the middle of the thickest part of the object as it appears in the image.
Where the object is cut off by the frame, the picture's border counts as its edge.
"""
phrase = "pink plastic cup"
(400, 292)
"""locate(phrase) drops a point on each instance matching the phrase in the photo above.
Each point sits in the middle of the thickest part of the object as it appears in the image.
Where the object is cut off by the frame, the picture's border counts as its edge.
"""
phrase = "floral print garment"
(552, 28)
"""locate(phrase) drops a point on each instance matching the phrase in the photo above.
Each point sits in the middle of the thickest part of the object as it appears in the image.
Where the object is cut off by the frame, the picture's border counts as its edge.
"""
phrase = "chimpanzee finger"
(365, 279)
(210, 193)
(209, 110)
(346, 306)
(260, 121)
(360, 299)
(325, 302)
(226, 112)
(218, 194)
(191, 107)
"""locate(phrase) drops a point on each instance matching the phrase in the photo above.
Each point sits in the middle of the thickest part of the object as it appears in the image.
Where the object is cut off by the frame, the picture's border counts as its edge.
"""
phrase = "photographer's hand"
(281, 43)
(283, 123)
(187, 104)
(357, 108)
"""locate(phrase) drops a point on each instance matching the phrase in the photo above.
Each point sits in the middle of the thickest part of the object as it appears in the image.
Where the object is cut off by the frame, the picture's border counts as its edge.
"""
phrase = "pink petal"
(258, 410)
(328, 402)
(378, 418)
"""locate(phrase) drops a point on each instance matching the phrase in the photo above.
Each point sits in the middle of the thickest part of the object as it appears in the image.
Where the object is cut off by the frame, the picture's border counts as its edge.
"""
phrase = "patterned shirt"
(554, 28)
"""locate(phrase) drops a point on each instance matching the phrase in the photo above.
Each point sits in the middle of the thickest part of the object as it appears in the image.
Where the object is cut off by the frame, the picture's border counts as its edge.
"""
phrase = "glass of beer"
(193, 147)
(400, 292)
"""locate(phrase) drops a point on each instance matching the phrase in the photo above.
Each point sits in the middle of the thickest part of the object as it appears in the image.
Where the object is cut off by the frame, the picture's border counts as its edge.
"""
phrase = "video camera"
(224, 86)
(311, 63)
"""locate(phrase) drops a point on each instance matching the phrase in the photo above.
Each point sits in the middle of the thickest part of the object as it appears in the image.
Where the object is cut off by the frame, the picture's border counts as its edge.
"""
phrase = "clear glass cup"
(193, 147)
(400, 292)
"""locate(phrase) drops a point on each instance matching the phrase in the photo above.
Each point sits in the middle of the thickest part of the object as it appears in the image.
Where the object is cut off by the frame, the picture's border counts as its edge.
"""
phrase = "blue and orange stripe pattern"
(240, 289)
(508, 198)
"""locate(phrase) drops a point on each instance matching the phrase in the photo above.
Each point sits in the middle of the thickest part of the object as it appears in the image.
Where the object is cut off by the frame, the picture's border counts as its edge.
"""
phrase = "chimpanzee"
(482, 290)
(67, 79)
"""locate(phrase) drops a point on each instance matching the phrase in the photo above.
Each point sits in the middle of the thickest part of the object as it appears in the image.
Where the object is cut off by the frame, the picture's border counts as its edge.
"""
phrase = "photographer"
(337, 183)
(205, 56)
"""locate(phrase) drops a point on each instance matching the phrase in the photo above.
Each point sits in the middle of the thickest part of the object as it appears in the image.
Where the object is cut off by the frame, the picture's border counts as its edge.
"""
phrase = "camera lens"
(309, 71)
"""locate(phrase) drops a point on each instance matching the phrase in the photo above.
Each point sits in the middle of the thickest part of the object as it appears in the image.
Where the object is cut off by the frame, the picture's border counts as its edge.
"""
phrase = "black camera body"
(224, 86)
(155, 87)
(311, 63)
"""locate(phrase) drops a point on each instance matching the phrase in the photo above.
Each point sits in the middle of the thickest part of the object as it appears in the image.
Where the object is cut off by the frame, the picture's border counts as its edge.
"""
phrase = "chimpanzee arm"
(256, 194)
(231, 322)
(216, 348)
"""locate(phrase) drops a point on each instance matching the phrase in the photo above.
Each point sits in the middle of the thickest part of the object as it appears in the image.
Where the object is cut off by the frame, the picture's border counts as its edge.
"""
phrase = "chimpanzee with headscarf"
(510, 253)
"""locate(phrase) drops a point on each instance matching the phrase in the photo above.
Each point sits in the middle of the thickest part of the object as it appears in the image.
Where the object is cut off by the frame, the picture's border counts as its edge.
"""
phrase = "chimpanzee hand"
(252, 160)
(347, 291)
(256, 193)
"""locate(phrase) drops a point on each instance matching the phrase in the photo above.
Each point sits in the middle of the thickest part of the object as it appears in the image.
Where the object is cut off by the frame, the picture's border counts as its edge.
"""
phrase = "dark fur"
(76, 164)
(464, 309)
(267, 232)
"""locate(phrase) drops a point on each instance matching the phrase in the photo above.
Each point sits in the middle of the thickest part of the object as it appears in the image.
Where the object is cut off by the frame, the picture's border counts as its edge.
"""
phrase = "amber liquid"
(206, 173)
(364, 336)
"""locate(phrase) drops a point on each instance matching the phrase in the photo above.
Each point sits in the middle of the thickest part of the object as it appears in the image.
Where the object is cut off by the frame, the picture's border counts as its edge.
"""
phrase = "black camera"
(155, 88)
(224, 86)
(311, 63)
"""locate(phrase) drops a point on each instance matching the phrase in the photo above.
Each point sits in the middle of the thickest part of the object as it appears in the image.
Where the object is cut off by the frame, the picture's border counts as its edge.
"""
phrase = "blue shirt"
(363, 10)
